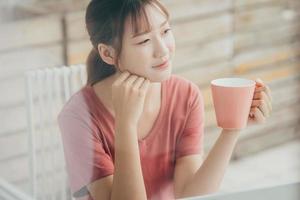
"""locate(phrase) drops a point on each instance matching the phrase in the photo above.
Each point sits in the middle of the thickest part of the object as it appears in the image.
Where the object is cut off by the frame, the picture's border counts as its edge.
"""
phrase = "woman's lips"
(162, 64)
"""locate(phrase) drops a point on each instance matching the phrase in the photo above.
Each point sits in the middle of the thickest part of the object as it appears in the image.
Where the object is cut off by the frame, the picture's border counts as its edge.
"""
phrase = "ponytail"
(97, 69)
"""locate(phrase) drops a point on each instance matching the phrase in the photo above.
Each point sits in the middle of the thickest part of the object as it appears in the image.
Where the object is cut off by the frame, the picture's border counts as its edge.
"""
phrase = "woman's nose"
(161, 50)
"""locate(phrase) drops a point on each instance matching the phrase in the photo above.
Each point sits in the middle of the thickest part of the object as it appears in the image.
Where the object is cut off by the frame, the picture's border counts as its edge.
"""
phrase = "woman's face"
(141, 53)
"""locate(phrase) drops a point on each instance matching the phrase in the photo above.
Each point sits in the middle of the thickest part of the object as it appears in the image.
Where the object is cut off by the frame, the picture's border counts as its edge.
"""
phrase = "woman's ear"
(107, 53)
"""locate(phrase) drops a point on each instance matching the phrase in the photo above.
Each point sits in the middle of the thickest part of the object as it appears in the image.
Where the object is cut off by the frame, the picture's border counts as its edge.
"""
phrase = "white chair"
(11, 192)
(47, 90)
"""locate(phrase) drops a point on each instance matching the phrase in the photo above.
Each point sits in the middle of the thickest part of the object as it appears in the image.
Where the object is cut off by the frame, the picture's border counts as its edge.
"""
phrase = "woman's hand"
(261, 106)
(128, 96)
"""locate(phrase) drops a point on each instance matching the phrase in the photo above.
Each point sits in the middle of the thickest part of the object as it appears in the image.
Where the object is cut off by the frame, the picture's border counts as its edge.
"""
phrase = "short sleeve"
(191, 139)
(86, 159)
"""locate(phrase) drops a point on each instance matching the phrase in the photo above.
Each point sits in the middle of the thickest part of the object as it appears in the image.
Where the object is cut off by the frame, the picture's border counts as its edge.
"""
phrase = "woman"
(135, 131)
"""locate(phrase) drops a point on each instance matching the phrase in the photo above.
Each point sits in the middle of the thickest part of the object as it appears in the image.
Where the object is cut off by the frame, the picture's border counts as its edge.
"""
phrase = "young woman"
(135, 131)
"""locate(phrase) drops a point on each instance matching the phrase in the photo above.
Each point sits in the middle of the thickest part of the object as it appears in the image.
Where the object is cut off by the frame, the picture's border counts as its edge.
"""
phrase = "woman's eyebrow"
(142, 33)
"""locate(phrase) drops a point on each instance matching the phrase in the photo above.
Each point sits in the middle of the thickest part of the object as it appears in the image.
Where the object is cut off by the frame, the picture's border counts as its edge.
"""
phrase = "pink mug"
(232, 99)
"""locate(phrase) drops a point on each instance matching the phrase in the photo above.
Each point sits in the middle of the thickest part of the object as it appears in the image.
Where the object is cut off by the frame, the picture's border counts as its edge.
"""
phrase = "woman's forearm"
(128, 182)
(209, 176)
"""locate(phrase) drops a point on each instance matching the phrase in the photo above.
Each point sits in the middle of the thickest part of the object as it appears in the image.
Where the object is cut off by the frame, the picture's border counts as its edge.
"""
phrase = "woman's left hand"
(261, 106)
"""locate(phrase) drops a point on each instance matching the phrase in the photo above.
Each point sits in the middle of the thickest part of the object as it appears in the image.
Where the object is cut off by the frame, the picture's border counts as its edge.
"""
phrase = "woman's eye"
(144, 41)
(166, 31)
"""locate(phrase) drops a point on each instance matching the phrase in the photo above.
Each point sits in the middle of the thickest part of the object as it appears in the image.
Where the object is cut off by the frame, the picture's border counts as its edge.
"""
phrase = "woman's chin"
(161, 78)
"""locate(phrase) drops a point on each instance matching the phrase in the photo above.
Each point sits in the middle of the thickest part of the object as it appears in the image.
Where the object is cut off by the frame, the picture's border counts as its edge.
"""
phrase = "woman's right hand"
(128, 96)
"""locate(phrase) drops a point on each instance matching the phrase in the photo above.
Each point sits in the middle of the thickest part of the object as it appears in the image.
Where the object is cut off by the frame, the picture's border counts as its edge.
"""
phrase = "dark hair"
(105, 21)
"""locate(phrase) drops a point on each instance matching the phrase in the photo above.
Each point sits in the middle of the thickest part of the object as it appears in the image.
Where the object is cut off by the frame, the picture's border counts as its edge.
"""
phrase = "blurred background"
(242, 38)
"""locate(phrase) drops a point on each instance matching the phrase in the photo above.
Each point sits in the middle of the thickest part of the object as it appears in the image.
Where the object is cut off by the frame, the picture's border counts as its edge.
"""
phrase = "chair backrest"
(47, 90)
(9, 191)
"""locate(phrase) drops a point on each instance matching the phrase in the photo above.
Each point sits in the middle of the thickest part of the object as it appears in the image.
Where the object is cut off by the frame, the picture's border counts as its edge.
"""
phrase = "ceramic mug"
(232, 99)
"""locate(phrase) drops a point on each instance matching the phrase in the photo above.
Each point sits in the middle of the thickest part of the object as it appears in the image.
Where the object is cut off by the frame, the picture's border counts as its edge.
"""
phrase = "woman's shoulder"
(181, 85)
(182, 93)
(78, 104)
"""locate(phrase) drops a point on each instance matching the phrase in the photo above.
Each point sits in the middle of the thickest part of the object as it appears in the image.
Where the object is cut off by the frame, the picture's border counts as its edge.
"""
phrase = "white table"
(287, 191)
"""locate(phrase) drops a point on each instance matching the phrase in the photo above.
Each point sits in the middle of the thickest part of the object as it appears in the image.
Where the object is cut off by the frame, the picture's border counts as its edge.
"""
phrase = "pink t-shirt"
(87, 129)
